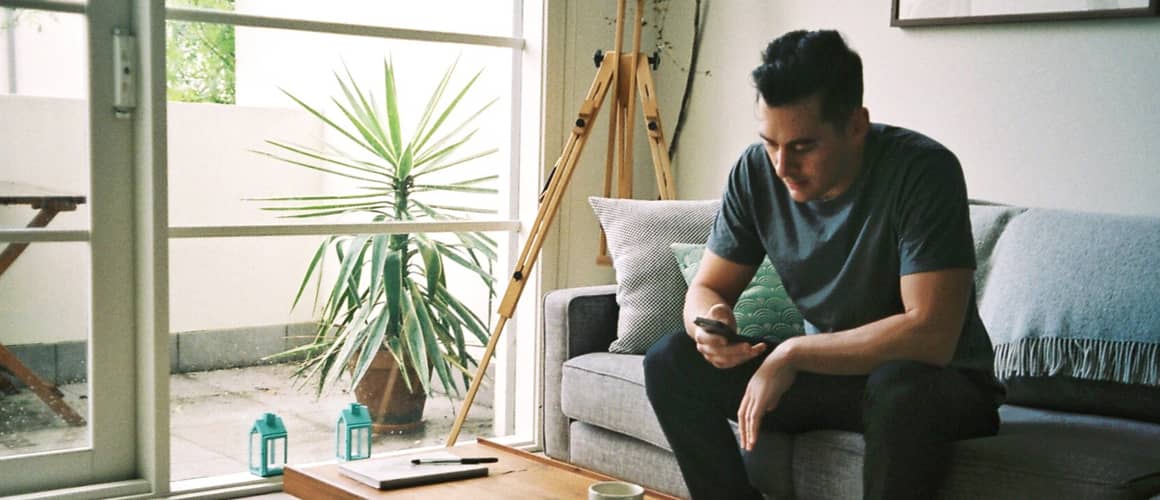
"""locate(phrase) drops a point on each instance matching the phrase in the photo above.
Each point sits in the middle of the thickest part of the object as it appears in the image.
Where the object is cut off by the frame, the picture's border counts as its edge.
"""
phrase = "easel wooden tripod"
(624, 74)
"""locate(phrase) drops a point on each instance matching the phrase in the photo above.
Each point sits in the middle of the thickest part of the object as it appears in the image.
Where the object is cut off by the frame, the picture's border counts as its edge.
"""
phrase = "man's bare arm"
(712, 294)
(935, 306)
(718, 281)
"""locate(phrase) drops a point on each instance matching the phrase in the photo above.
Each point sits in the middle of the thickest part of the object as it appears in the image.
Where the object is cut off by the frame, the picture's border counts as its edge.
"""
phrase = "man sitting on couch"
(868, 227)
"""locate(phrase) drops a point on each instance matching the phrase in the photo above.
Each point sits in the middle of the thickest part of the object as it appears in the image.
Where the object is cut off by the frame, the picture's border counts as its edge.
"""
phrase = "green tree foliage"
(200, 58)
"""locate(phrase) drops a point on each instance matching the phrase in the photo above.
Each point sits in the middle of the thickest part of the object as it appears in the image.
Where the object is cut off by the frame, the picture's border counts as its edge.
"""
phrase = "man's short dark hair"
(802, 63)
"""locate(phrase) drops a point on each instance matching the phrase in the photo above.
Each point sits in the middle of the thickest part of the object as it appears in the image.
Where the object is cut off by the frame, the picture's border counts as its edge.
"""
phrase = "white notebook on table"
(398, 472)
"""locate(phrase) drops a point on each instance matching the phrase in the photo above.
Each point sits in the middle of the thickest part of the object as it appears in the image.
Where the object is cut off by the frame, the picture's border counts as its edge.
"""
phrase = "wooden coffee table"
(518, 474)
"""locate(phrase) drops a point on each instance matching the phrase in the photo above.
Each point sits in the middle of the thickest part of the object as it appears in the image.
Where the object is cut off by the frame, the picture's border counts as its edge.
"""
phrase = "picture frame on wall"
(914, 13)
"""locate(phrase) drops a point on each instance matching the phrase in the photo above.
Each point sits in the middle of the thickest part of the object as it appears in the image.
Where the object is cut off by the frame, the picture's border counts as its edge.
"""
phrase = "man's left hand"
(765, 389)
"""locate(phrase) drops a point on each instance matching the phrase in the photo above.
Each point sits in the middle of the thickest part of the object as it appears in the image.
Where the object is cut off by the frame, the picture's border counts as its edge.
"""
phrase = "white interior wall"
(721, 120)
(1047, 114)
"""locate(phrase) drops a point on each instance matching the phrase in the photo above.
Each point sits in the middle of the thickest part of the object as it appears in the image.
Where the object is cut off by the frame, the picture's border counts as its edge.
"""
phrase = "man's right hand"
(718, 351)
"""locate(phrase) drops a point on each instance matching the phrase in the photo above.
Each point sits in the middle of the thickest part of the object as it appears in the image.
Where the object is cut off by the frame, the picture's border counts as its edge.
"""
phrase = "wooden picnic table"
(47, 204)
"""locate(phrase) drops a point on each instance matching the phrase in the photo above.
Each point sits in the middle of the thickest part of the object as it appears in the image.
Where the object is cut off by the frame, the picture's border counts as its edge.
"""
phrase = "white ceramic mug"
(615, 490)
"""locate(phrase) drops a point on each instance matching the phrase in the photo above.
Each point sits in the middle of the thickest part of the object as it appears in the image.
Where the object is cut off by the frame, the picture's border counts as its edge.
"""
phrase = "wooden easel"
(624, 74)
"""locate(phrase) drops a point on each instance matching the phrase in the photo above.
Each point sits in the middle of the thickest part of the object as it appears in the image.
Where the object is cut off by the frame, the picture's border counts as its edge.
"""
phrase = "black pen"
(479, 460)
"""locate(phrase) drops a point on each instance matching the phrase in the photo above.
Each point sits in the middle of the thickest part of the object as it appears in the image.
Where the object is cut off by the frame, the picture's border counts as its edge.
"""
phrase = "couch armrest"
(576, 321)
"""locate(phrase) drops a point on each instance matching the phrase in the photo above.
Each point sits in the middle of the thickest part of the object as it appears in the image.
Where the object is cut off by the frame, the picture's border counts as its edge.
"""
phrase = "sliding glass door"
(281, 123)
(146, 151)
(68, 413)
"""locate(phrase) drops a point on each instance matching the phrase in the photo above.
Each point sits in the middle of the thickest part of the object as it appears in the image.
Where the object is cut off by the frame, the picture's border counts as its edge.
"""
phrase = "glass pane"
(490, 17)
(44, 179)
(44, 310)
(43, 54)
(230, 307)
(229, 163)
(44, 182)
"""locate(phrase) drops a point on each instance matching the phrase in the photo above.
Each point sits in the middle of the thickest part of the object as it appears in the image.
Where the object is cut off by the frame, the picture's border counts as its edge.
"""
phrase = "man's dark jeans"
(908, 412)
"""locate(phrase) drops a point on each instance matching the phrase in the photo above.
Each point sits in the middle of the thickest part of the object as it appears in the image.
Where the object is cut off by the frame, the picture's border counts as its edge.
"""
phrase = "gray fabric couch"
(1067, 431)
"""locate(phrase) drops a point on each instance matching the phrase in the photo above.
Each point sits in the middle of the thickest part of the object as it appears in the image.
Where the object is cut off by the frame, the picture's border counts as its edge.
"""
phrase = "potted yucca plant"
(387, 318)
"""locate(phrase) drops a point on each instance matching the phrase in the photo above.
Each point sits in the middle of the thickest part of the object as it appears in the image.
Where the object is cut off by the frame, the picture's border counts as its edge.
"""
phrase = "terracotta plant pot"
(393, 408)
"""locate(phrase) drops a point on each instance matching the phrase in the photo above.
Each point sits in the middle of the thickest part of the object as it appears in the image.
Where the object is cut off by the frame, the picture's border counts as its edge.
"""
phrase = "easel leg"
(609, 74)
(558, 182)
(659, 148)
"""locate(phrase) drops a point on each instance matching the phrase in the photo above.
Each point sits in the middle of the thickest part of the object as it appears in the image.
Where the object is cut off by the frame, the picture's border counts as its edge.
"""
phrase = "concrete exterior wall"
(215, 283)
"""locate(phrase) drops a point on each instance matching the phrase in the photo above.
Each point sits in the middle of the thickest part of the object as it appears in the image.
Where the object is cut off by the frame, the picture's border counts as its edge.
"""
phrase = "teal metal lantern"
(352, 439)
(268, 446)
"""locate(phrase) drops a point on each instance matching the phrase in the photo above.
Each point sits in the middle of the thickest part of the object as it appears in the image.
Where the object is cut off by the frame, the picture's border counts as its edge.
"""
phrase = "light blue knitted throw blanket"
(1076, 295)
(1088, 359)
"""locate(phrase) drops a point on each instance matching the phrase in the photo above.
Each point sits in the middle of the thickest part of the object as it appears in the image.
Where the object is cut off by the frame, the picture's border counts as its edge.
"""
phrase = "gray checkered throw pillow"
(651, 290)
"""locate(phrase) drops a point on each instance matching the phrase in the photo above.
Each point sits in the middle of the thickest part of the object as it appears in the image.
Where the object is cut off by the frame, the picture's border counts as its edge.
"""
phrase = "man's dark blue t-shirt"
(841, 259)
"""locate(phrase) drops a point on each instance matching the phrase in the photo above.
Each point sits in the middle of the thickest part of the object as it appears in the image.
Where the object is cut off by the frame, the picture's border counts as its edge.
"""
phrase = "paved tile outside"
(211, 414)
(27, 425)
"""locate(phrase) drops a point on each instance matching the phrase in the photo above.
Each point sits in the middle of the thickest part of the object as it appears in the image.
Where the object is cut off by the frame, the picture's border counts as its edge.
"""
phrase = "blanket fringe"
(1089, 359)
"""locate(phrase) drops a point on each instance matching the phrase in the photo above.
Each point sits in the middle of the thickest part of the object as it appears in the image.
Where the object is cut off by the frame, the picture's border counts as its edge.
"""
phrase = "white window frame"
(130, 428)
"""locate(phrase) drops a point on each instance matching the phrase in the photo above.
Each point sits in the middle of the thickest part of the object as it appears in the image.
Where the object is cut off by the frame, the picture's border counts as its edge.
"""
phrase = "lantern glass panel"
(276, 452)
(255, 450)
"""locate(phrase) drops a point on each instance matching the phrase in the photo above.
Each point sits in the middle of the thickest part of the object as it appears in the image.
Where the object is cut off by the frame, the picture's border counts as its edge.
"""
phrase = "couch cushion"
(763, 310)
(626, 458)
(576, 321)
(1113, 399)
(651, 292)
(607, 390)
(605, 393)
(1037, 454)
(1074, 295)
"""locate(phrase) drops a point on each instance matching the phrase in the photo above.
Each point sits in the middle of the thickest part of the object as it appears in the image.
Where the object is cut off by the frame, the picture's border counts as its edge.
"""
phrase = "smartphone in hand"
(717, 328)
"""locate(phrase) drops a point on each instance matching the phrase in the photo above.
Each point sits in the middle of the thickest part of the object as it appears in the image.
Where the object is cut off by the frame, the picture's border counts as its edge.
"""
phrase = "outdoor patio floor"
(211, 414)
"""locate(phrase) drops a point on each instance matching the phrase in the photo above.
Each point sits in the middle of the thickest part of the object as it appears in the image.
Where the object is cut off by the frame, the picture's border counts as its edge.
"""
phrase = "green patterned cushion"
(763, 310)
